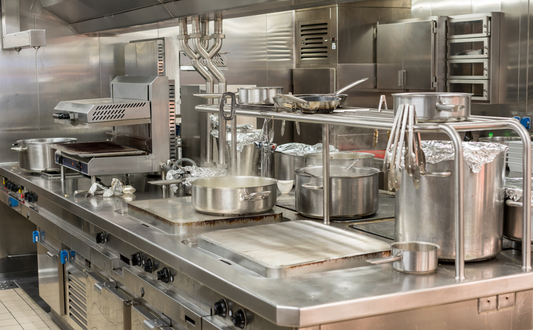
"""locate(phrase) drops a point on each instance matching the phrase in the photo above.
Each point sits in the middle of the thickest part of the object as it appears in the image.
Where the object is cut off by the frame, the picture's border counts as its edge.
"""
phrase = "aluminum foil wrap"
(214, 121)
(514, 189)
(117, 189)
(302, 149)
(243, 138)
(476, 154)
(191, 173)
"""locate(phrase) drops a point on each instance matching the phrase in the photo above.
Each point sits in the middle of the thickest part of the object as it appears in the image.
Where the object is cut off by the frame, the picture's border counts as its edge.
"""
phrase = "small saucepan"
(417, 258)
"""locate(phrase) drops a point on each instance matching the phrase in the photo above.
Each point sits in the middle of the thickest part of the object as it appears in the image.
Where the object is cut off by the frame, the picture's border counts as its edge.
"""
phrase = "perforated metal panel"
(313, 45)
(76, 299)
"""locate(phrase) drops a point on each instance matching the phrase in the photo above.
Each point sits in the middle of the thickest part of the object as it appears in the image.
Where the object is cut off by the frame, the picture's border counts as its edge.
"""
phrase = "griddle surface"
(95, 149)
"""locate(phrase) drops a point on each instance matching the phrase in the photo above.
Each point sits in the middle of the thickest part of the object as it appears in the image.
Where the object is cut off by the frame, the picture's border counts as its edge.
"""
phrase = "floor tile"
(30, 319)
(8, 322)
(34, 326)
(11, 327)
(5, 317)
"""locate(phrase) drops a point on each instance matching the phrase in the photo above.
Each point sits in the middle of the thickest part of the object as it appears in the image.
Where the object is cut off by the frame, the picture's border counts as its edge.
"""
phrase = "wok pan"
(320, 103)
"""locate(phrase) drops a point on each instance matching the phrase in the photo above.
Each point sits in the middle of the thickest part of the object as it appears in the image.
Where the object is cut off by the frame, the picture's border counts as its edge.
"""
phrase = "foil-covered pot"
(427, 213)
(512, 213)
(291, 156)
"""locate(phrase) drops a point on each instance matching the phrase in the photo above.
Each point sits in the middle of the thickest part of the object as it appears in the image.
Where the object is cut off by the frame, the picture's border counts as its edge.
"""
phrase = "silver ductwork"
(201, 55)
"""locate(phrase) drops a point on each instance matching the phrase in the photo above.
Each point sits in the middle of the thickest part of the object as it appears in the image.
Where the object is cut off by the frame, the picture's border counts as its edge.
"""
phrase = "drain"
(6, 285)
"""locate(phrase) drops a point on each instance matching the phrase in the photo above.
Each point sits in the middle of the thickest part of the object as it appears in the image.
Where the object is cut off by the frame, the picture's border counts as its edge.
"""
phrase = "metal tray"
(97, 149)
(293, 248)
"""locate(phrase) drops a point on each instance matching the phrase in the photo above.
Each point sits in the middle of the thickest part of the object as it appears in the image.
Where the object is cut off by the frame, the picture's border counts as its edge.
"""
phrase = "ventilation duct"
(12, 37)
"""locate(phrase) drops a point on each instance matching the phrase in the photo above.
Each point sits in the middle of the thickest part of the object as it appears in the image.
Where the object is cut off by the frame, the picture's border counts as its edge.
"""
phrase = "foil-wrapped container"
(514, 189)
(475, 154)
(240, 127)
(302, 149)
(191, 173)
(243, 138)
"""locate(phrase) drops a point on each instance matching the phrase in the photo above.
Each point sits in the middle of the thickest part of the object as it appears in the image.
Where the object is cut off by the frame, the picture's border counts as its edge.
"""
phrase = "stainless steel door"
(406, 55)
(50, 271)
(108, 308)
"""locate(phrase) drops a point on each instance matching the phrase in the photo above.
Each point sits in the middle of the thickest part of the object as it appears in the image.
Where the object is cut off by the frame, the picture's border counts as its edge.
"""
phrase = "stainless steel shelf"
(371, 118)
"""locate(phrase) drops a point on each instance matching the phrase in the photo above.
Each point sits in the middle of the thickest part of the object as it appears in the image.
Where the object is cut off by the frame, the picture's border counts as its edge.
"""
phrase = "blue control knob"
(35, 236)
(13, 202)
(63, 256)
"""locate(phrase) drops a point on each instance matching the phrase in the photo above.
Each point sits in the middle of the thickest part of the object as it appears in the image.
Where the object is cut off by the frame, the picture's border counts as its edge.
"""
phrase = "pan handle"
(233, 104)
(311, 187)
(254, 197)
(350, 86)
(19, 149)
(386, 260)
(510, 202)
(442, 106)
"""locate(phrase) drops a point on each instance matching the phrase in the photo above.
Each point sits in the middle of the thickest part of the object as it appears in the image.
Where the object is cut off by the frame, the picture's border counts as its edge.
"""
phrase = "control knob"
(101, 238)
(220, 308)
(136, 259)
(149, 266)
(239, 319)
(164, 275)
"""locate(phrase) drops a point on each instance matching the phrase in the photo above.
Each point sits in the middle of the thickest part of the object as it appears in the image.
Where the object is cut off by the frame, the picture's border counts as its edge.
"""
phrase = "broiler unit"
(138, 112)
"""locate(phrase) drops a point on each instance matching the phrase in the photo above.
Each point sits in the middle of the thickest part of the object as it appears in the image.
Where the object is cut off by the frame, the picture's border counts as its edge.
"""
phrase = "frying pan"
(320, 103)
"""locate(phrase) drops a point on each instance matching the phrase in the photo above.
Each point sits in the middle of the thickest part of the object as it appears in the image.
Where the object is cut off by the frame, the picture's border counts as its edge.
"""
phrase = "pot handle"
(510, 202)
(386, 260)
(442, 106)
(256, 196)
(437, 174)
(311, 187)
(19, 149)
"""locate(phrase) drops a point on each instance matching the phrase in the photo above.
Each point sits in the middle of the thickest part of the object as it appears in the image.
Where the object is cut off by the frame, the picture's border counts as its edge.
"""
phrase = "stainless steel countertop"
(294, 301)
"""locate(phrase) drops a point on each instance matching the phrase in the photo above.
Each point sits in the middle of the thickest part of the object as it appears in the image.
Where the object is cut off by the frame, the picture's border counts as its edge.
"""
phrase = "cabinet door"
(50, 287)
(418, 44)
(389, 55)
(107, 308)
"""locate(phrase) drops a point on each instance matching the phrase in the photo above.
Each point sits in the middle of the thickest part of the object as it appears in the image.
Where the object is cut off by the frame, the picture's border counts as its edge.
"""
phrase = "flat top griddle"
(97, 149)
(293, 248)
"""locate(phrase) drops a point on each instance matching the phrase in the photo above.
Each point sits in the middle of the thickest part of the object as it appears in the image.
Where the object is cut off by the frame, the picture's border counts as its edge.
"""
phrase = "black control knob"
(220, 308)
(239, 319)
(136, 259)
(101, 238)
(164, 275)
(149, 265)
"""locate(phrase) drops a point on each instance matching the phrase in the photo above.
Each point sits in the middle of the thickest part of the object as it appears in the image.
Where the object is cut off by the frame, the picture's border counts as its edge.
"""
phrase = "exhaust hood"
(87, 16)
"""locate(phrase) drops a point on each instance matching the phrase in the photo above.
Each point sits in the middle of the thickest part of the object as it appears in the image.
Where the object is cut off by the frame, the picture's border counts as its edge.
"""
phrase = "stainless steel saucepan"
(411, 257)
(234, 195)
(320, 103)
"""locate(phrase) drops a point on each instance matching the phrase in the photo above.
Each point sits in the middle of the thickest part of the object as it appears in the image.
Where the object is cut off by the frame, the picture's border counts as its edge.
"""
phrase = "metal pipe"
(325, 172)
(458, 201)
(526, 226)
(183, 38)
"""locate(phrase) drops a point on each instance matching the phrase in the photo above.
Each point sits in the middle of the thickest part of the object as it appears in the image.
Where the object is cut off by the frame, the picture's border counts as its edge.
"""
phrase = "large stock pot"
(436, 106)
(513, 211)
(37, 155)
(427, 213)
(354, 192)
(234, 195)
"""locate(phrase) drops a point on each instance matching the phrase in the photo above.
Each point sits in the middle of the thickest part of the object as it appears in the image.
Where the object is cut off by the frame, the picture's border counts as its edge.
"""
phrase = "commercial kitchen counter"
(495, 292)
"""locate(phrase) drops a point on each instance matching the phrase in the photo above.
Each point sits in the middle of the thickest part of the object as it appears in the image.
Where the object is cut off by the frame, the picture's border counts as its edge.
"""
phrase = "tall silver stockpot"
(427, 213)
(248, 160)
(342, 158)
(286, 164)
(436, 106)
(234, 195)
(354, 192)
(39, 154)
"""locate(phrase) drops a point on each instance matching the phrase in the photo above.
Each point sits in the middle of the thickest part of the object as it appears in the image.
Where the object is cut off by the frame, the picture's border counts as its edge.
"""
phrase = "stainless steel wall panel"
(279, 46)
(67, 68)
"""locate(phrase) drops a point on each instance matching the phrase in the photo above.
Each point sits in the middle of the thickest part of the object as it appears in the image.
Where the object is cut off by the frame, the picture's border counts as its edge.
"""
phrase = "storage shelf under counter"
(374, 119)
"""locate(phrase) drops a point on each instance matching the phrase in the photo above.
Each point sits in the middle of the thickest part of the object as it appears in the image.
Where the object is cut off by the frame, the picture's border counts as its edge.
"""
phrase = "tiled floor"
(18, 311)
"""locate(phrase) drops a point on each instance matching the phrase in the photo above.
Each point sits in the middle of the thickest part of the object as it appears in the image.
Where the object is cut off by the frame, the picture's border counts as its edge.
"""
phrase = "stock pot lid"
(234, 182)
(302, 149)
(514, 189)
(47, 140)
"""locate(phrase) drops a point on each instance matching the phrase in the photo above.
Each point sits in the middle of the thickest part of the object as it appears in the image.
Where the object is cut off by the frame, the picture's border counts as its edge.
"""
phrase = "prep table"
(494, 292)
